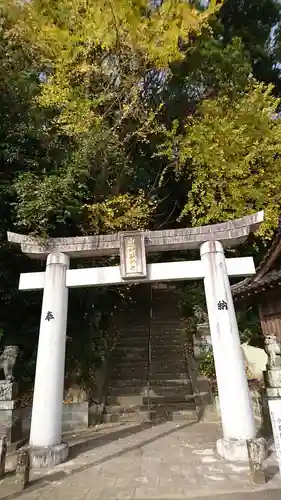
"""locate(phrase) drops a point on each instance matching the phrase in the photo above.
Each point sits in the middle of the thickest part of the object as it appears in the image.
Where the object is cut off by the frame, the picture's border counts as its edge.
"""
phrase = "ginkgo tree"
(230, 152)
(99, 64)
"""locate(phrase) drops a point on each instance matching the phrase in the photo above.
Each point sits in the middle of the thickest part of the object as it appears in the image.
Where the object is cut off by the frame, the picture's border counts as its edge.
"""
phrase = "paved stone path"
(140, 461)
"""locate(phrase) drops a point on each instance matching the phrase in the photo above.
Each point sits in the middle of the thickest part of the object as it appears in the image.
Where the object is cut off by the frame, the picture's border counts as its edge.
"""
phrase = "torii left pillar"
(46, 447)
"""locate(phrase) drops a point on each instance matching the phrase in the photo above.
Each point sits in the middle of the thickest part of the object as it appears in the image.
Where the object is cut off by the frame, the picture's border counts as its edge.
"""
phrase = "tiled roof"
(265, 276)
(251, 286)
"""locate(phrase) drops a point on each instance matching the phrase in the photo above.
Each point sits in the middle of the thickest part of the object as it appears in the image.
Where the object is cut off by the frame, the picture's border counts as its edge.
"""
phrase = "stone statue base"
(273, 377)
(48, 456)
(10, 413)
(273, 392)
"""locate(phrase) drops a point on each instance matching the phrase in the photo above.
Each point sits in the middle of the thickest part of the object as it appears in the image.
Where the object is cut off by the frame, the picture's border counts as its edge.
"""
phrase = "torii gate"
(236, 411)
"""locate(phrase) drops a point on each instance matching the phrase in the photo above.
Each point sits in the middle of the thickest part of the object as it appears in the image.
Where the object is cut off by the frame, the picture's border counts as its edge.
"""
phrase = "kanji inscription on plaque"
(132, 255)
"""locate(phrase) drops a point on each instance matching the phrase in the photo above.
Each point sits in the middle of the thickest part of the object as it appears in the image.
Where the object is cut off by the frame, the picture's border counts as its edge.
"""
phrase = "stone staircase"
(149, 377)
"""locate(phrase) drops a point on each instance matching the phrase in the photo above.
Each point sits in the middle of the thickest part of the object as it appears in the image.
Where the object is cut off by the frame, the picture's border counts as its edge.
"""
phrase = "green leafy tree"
(101, 64)
(230, 155)
(256, 23)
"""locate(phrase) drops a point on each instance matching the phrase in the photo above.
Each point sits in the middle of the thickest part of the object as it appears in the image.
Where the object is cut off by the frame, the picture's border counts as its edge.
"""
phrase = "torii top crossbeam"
(230, 233)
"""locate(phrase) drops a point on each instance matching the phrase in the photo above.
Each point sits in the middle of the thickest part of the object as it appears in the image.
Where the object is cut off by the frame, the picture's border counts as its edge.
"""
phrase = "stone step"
(149, 397)
(165, 357)
(171, 390)
(155, 343)
(134, 407)
(137, 414)
(180, 393)
(174, 415)
(166, 323)
(123, 409)
(171, 348)
(155, 359)
(132, 342)
(117, 362)
(165, 341)
(118, 413)
(122, 363)
(169, 401)
(168, 375)
(139, 417)
(136, 326)
(161, 345)
(125, 400)
(172, 409)
(143, 363)
(114, 393)
(157, 364)
(161, 319)
(165, 330)
(123, 349)
(153, 333)
(137, 397)
(133, 334)
(134, 382)
(124, 379)
(172, 361)
(157, 392)
(168, 382)
(168, 343)
(127, 373)
(129, 356)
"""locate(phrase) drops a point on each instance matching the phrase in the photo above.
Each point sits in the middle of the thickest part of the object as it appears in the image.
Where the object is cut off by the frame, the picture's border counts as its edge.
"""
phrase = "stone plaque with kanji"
(132, 255)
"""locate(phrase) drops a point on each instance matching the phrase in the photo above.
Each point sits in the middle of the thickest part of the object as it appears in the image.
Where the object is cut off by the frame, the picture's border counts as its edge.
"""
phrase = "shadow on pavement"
(103, 439)
(39, 483)
(246, 495)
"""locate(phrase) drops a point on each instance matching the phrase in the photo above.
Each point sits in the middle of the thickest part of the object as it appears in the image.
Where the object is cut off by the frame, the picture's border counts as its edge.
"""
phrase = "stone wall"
(10, 414)
(209, 411)
(256, 404)
(75, 416)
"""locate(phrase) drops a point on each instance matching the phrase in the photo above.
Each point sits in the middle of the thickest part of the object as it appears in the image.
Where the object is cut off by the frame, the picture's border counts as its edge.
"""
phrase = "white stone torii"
(46, 445)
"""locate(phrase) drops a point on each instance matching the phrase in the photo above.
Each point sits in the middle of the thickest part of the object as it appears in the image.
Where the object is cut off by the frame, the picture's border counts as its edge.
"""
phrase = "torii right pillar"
(235, 404)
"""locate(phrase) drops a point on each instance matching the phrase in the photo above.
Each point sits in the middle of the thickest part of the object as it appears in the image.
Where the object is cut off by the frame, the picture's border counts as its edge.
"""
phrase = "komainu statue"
(200, 315)
(273, 349)
(7, 361)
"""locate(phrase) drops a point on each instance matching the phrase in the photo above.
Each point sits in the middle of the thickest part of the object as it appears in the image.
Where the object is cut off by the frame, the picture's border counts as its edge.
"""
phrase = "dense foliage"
(124, 115)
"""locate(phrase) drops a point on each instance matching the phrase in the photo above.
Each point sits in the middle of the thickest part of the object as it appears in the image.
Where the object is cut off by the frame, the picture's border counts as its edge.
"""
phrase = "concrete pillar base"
(48, 456)
(235, 450)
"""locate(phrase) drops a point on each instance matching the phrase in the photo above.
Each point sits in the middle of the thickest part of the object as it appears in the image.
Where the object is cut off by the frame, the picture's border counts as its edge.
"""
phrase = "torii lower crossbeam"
(162, 271)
